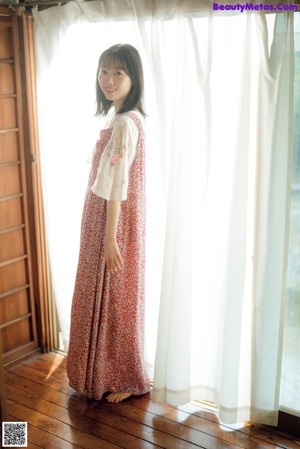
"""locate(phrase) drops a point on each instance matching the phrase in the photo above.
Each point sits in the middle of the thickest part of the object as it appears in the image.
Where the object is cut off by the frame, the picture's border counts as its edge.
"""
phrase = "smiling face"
(114, 83)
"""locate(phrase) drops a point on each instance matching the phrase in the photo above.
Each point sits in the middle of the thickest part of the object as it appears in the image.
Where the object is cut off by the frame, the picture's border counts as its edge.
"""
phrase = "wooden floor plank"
(178, 424)
(102, 411)
(39, 389)
(42, 378)
(38, 438)
(207, 422)
(106, 429)
(96, 410)
(46, 367)
(264, 433)
(30, 443)
(49, 441)
(54, 359)
(56, 427)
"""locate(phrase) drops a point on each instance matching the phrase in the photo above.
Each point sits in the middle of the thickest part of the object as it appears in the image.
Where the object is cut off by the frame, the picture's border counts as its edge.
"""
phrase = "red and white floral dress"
(106, 350)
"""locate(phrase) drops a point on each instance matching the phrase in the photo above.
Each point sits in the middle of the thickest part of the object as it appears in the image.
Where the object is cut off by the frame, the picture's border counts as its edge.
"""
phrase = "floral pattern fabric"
(106, 350)
(111, 182)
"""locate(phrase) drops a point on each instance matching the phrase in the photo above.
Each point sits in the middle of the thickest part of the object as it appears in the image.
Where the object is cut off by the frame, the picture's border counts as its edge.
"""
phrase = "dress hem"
(98, 397)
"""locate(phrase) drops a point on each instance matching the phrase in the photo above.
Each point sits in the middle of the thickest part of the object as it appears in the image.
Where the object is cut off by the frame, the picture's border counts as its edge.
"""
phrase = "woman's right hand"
(112, 255)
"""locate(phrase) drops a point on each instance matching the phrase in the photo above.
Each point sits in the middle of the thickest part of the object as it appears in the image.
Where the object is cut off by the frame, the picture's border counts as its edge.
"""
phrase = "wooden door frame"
(23, 37)
(34, 185)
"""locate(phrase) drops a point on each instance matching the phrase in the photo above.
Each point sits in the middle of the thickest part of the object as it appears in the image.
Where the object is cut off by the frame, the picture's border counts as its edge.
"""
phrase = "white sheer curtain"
(219, 100)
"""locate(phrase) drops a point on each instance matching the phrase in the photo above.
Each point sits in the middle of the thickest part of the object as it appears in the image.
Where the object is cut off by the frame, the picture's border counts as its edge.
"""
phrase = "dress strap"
(136, 119)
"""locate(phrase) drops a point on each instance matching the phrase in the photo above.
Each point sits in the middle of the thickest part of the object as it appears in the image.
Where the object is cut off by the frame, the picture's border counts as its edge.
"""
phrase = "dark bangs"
(107, 59)
(126, 57)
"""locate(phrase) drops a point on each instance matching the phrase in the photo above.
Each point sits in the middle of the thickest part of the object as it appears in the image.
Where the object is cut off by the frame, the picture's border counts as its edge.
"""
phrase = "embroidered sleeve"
(113, 174)
(117, 147)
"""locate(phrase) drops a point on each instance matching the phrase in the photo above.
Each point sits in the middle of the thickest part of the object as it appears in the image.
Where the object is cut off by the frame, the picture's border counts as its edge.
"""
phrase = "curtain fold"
(273, 189)
(219, 130)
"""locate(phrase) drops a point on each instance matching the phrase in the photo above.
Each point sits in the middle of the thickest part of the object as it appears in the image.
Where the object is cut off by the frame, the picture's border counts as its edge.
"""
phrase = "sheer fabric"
(219, 127)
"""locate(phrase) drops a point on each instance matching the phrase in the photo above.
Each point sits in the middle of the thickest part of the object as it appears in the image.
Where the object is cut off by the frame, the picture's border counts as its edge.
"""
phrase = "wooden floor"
(58, 418)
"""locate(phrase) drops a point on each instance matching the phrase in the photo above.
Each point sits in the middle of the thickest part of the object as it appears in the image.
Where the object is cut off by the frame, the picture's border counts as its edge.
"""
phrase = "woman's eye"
(102, 72)
(118, 73)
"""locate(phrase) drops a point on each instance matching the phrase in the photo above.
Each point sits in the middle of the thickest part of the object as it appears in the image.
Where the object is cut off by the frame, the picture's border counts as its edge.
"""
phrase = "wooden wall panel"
(13, 276)
(12, 244)
(16, 335)
(11, 213)
(8, 146)
(6, 79)
(10, 179)
(18, 324)
(23, 257)
(14, 306)
(6, 51)
(8, 118)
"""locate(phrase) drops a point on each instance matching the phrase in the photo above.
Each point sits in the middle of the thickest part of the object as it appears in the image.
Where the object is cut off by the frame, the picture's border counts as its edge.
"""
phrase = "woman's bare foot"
(117, 397)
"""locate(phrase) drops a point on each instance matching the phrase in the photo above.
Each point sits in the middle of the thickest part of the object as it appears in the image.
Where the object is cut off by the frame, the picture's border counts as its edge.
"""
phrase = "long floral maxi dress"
(106, 351)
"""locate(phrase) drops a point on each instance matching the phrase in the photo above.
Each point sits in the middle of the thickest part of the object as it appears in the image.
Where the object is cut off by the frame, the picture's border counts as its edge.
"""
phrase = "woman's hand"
(112, 255)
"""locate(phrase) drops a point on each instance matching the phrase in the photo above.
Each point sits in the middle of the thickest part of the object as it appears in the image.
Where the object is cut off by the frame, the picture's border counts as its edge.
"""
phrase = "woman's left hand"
(112, 256)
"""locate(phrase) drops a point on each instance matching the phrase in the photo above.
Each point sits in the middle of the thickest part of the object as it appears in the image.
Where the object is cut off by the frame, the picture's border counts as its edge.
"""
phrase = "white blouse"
(111, 182)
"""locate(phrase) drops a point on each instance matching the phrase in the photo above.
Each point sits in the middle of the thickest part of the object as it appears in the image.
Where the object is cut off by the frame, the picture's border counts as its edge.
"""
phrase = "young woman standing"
(106, 351)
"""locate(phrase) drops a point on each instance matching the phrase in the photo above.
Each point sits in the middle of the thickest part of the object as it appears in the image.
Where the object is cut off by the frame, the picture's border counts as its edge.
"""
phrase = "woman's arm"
(112, 255)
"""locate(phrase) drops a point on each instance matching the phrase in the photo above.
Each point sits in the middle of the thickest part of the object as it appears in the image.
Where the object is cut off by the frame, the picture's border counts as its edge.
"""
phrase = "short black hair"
(127, 57)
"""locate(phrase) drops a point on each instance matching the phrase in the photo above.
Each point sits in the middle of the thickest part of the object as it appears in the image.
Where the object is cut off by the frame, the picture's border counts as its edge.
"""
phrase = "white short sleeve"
(111, 182)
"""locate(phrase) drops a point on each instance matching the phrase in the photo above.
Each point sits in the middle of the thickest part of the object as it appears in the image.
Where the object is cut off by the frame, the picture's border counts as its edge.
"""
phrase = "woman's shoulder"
(129, 118)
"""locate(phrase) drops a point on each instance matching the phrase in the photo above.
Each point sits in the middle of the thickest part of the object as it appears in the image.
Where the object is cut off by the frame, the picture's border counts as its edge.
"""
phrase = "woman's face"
(114, 83)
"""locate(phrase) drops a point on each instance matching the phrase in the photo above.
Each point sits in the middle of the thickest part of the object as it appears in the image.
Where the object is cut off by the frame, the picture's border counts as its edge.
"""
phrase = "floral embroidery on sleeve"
(116, 151)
